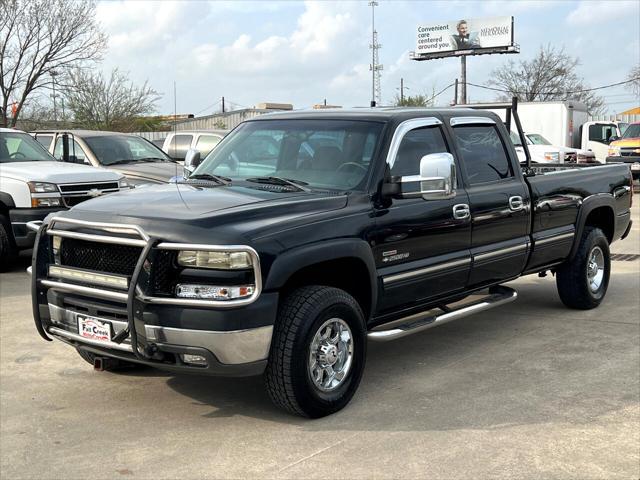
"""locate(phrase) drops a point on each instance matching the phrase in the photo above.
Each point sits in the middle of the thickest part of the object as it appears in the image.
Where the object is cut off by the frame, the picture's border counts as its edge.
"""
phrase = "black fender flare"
(6, 202)
(589, 205)
(291, 261)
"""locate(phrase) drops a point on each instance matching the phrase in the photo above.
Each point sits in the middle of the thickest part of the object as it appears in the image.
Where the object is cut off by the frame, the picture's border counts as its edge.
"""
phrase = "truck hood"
(207, 206)
(56, 172)
(626, 142)
(151, 172)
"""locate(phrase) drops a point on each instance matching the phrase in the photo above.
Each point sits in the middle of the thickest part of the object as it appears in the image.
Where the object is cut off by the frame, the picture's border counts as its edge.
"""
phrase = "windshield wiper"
(289, 182)
(120, 162)
(156, 159)
(207, 176)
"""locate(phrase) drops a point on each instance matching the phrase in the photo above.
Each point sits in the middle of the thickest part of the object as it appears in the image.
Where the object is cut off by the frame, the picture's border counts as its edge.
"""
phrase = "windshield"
(632, 131)
(114, 149)
(21, 147)
(324, 154)
(622, 126)
(537, 139)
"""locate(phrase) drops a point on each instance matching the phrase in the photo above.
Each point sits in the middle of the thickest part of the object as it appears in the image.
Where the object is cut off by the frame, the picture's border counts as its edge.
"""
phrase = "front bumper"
(234, 340)
(19, 217)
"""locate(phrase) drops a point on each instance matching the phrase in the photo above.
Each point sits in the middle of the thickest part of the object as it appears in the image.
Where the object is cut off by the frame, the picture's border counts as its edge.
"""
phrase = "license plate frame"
(93, 328)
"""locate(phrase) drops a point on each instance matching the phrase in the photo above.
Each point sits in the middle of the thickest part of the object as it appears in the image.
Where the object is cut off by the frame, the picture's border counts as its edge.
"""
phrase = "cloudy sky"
(304, 52)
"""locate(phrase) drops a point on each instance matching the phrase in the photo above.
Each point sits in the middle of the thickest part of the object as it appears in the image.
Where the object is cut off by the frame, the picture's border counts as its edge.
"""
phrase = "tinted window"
(601, 132)
(483, 153)
(415, 145)
(179, 145)
(206, 143)
(120, 149)
(327, 154)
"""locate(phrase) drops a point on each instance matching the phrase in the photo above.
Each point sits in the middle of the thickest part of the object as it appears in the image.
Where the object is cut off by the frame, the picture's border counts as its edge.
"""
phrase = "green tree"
(550, 75)
(99, 102)
(39, 40)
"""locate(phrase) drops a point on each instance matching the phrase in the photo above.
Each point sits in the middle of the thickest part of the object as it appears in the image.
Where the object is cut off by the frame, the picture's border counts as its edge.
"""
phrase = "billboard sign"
(471, 35)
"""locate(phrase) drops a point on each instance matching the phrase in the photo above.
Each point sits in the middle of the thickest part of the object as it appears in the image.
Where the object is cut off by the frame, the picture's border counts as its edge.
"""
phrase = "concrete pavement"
(529, 390)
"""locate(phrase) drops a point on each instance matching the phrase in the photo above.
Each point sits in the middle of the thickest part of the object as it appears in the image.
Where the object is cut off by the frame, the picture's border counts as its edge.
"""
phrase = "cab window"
(415, 145)
(483, 153)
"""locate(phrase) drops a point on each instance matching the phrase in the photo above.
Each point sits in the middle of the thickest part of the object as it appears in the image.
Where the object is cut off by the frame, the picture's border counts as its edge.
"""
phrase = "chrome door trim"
(554, 238)
(404, 128)
(421, 271)
(497, 253)
(455, 121)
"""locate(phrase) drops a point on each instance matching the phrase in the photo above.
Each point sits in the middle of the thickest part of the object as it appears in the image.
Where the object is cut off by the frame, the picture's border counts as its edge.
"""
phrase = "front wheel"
(8, 252)
(582, 283)
(317, 353)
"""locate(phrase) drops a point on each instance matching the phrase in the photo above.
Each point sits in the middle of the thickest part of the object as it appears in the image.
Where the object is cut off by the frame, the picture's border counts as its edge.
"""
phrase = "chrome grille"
(75, 193)
(629, 152)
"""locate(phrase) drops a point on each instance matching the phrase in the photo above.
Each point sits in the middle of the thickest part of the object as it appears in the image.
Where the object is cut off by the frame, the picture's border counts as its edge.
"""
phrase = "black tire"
(117, 364)
(8, 252)
(572, 278)
(300, 316)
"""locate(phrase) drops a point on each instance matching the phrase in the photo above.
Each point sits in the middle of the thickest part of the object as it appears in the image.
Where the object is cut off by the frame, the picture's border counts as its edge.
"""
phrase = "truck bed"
(558, 194)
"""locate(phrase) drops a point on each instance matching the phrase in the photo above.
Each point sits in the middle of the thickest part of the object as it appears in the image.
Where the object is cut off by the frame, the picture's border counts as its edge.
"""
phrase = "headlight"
(124, 183)
(614, 151)
(42, 187)
(552, 156)
(217, 260)
(212, 292)
(46, 202)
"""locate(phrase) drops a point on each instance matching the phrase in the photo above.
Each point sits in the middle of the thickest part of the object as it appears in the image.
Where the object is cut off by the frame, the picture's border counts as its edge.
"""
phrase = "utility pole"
(455, 93)
(375, 67)
(222, 104)
(54, 74)
(401, 90)
(463, 79)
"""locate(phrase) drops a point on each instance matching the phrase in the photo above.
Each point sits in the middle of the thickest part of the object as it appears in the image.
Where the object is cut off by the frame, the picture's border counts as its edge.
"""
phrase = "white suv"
(34, 184)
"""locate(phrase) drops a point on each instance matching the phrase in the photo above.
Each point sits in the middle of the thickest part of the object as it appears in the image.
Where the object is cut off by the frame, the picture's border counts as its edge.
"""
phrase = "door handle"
(461, 211)
(516, 203)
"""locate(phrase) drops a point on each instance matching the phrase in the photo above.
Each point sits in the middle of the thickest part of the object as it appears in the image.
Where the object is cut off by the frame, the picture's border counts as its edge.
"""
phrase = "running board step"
(419, 322)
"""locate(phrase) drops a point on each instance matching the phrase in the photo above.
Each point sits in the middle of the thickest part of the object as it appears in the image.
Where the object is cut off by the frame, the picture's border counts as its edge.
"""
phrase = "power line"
(554, 93)
(207, 108)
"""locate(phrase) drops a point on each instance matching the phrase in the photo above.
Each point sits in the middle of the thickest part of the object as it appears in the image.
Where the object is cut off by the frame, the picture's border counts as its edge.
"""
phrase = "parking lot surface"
(530, 389)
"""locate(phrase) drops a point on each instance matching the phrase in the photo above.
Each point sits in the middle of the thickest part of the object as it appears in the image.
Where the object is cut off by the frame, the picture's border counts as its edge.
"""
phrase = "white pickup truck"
(34, 184)
(543, 151)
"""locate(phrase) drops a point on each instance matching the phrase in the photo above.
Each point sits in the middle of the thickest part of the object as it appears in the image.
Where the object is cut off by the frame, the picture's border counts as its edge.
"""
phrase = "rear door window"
(483, 153)
(179, 145)
(74, 150)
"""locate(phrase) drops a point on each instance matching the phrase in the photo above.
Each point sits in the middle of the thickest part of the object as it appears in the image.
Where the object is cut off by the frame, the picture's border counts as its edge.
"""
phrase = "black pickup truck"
(335, 228)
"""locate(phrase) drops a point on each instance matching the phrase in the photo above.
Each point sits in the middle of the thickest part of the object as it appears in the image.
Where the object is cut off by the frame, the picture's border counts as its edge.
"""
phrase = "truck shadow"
(535, 362)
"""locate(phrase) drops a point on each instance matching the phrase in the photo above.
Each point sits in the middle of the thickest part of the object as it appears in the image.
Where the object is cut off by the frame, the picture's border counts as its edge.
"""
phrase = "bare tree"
(39, 38)
(550, 75)
(112, 103)
(634, 79)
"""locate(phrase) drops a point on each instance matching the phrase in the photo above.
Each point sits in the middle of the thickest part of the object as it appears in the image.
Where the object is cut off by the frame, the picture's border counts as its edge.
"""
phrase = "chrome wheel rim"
(331, 354)
(595, 269)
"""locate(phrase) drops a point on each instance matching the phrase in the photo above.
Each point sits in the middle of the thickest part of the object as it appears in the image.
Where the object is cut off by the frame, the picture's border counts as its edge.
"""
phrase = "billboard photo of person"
(464, 40)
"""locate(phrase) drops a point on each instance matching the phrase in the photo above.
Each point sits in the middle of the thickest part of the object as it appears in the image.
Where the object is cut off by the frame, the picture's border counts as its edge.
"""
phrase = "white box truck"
(566, 124)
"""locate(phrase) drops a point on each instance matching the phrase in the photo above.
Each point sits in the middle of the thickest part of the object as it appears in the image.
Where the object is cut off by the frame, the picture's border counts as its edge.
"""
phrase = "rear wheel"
(8, 251)
(583, 282)
(317, 353)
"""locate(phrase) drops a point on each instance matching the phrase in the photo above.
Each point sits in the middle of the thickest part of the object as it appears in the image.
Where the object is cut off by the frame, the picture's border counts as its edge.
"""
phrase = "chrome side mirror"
(436, 181)
(191, 160)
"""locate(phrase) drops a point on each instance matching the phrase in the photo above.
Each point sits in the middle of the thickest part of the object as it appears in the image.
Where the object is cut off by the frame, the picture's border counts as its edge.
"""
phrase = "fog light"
(210, 292)
(193, 359)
